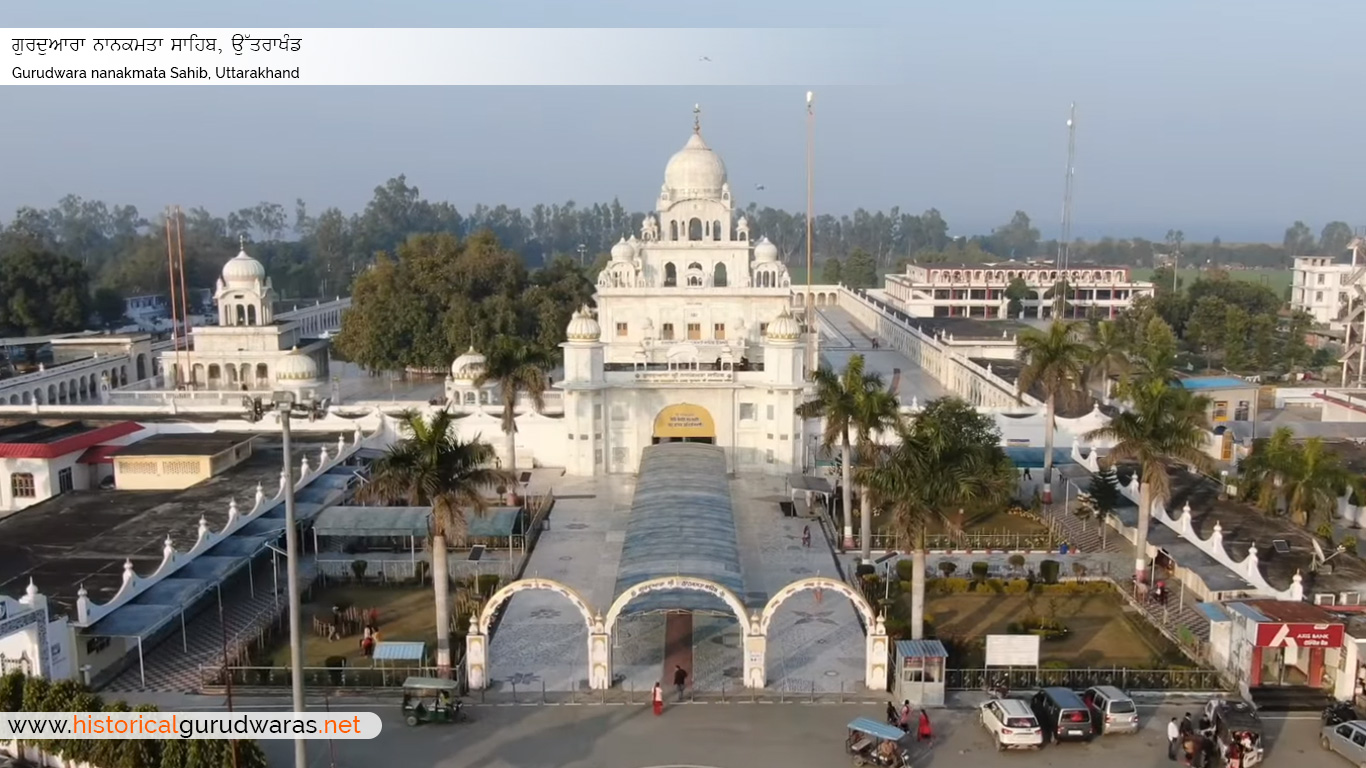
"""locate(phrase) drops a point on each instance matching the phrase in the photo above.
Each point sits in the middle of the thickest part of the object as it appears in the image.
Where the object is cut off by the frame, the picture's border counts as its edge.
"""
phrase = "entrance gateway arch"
(680, 555)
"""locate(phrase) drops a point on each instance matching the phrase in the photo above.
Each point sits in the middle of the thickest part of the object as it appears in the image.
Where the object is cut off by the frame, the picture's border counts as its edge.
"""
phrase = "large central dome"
(695, 172)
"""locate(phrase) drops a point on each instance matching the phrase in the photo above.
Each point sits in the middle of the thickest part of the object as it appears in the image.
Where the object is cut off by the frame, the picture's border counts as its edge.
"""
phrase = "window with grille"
(667, 332)
(180, 467)
(621, 329)
(694, 331)
(21, 485)
(64, 483)
(718, 331)
(138, 467)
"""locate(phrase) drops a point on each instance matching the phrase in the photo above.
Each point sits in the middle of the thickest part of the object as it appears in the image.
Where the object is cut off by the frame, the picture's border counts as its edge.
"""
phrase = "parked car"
(1062, 714)
(1347, 739)
(1112, 711)
(1011, 724)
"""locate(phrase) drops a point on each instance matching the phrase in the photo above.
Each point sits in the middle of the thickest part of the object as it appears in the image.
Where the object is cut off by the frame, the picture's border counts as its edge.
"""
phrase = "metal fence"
(1120, 677)
(344, 678)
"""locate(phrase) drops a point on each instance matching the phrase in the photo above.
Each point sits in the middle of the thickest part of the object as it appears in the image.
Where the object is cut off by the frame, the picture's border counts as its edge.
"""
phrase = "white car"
(1011, 723)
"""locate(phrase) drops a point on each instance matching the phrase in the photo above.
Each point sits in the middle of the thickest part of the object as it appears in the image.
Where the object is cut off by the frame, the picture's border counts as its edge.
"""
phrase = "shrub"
(486, 584)
(905, 569)
(1325, 532)
(979, 570)
(1055, 664)
(865, 569)
(358, 568)
(1017, 561)
(1079, 569)
(947, 567)
(907, 587)
(1048, 571)
(996, 586)
(1014, 628)
(1349, 543)
(1017, 586)
(953, 586)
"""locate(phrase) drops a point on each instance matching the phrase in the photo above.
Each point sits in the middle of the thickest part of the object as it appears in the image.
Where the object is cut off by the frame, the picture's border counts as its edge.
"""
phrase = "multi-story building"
(979, 290)
(1320, 285)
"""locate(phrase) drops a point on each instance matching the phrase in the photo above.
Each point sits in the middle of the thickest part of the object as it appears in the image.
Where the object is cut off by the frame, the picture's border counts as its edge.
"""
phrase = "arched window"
(262, 375)
(670, 273)
(718, 278)
(673, 230)
(695, 229)
(251, 314)
(716, 230)
(241, 316)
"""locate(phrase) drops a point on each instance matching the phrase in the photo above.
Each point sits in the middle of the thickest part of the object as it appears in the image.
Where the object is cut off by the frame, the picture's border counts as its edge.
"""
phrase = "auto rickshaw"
(874, 743)
(1238, 734)
(431, 700)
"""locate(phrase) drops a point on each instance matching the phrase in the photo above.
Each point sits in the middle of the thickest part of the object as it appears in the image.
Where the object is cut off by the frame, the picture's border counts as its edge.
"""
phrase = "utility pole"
(582, 249)
(1065, 237)
(810, 313)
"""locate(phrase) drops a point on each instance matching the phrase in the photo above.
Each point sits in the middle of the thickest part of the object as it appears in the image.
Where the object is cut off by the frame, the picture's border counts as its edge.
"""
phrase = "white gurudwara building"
(249, 350)
(692, 339)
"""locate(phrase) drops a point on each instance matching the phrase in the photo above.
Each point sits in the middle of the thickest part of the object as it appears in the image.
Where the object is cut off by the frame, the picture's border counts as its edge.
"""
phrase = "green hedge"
(957, 585)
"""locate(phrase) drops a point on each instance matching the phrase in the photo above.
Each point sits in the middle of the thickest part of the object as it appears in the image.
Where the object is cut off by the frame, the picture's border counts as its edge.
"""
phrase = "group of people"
(369, 640)
(657, 695)
(902, 719)
(1197, 743)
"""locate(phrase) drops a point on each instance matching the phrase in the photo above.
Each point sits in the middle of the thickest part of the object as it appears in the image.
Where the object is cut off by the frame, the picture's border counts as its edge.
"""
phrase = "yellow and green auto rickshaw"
(432, 700)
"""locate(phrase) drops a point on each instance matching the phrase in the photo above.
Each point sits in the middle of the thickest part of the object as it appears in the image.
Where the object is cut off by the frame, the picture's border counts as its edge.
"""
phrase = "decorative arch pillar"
(756, 654)
(599, 655)
(878, 656)
(476, 657)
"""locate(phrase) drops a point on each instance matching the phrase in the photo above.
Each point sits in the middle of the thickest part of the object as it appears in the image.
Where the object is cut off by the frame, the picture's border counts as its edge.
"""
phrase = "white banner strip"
(36, 726)
(806, 57)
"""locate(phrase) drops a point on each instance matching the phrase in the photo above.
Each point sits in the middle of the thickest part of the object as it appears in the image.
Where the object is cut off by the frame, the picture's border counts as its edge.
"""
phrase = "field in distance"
(1277, 280)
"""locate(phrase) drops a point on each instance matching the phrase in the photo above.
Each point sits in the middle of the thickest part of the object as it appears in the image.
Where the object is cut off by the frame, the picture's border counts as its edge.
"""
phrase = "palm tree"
(1165, 424)
(876, 410)
(1316, 482)
(432, 467)
(949, 455)
(1108, 355)
(1056, 361)
(519, 369)
(1265, 470)
(837, 402)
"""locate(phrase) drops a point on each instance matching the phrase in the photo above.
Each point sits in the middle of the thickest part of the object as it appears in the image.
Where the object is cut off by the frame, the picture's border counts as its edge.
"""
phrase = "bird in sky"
(759, 187)
(705, 58)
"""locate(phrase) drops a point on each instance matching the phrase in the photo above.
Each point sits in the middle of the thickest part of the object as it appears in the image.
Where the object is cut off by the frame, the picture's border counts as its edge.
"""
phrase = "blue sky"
(1217, 118)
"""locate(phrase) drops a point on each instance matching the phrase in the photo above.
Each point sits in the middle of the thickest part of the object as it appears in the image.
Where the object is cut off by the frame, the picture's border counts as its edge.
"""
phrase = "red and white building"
(979, 290)
(1271, 643)
(39, 461)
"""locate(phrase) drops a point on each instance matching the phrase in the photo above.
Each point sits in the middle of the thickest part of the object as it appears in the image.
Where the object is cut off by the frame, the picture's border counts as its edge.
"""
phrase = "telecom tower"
(1065, 238)
(1354, 341)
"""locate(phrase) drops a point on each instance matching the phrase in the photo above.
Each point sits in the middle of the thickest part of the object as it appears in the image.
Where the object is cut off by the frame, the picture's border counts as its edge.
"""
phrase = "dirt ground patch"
(405, 613)
(1102, 632)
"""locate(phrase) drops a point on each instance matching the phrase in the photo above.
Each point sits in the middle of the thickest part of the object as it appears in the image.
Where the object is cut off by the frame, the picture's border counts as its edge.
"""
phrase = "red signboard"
(1283, 635)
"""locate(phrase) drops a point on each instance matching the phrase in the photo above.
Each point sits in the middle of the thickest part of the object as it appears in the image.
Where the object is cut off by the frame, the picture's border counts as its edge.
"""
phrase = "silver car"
(1112, 710)
(1347, 739)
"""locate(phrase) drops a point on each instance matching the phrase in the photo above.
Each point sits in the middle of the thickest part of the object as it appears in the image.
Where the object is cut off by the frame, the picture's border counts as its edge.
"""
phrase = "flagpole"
(811, 363)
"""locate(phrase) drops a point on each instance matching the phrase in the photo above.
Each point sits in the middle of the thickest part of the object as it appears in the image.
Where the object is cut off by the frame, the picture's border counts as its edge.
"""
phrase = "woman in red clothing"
(924, 733)
(657, 697)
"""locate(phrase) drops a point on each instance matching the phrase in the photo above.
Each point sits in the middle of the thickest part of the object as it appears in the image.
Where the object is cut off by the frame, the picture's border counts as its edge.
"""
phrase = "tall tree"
(947, 456)
(1108, 354)
(1166, 424)
(836, 403)
(518, 369)
(1299, 240)
(876, 410)
(1054, 361)
(42, 292)
(859, 270)
(432, 467)
(1334, 239)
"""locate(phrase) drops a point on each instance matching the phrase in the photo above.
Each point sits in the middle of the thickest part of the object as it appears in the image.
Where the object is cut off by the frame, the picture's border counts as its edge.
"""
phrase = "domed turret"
(765, 251)
(622, 251)
(695, 172)
(296, 367)
(468, 366)
(243, 270)
(583, 327)
(784, 327)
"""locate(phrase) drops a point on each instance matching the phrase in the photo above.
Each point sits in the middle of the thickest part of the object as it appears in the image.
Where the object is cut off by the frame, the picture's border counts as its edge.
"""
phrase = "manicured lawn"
(984, 522)
(405, 613)
(1103, 633)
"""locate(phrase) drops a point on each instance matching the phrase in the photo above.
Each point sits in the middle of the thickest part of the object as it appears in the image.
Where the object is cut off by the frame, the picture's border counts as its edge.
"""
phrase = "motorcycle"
(1338, 712)
(996, 688)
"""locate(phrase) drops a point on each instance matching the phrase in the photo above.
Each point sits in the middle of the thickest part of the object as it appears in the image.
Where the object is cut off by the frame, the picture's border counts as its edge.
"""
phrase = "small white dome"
(623, 251)
(243, 269)
(765, 250)
(583, 327)
(695, 171)
(296, 366)
(468, 366)
(784, 327)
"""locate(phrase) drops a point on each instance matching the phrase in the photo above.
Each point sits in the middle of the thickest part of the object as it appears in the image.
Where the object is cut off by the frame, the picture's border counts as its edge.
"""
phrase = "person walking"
(924, 733)
(680, 679)
(906, 716)
(1173, 739)
(893, 719)
(806, 536)
(657, 700)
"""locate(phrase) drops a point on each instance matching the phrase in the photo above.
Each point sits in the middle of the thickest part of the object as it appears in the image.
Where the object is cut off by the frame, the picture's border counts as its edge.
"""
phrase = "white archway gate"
(476, 641)
(753, 627)
(875, 663)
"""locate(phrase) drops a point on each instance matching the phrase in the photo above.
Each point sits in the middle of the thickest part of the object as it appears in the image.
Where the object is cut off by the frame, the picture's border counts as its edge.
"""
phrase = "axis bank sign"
(1286, 635)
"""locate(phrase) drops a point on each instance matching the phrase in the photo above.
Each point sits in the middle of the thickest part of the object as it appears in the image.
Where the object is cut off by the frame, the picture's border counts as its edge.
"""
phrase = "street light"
(285, 405)
(582, 249)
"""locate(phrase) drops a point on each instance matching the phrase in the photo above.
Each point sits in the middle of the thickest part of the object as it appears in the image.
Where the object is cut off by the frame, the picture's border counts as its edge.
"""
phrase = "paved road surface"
(741, 736)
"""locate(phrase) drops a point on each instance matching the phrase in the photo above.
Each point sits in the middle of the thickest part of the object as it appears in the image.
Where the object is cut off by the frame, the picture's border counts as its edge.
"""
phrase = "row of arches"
(1035, 276)
(601, 626)
(313, 321)
(227, 375)
(697, 230)
(695, 276)
(818, 298)
(82, 389)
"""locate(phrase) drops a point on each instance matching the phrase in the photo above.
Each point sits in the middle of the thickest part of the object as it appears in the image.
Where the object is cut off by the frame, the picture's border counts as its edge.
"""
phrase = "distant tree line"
(73, 250)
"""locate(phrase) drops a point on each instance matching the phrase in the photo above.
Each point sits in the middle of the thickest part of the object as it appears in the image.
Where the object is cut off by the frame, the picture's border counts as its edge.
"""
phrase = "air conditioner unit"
(1350, 598)
(1325, 599)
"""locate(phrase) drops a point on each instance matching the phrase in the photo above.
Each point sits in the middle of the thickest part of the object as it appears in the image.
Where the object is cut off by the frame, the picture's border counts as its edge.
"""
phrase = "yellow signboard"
(684, 420)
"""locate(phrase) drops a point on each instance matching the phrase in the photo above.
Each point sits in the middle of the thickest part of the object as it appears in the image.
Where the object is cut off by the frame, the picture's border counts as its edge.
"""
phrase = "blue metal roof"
(390, 650)
(681, 524)
(1212, 611)
(874, 728)
(921, 649)
(1215, 382)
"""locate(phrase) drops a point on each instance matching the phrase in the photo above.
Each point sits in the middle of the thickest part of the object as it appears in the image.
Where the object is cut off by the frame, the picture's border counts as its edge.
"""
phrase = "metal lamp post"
(285, 405)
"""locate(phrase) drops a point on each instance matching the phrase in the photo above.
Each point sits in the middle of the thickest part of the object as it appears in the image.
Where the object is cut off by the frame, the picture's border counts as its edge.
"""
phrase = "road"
(741, 736)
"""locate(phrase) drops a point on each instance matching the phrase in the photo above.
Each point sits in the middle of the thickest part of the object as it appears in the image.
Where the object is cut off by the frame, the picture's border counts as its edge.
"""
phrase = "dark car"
(1062, 714)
